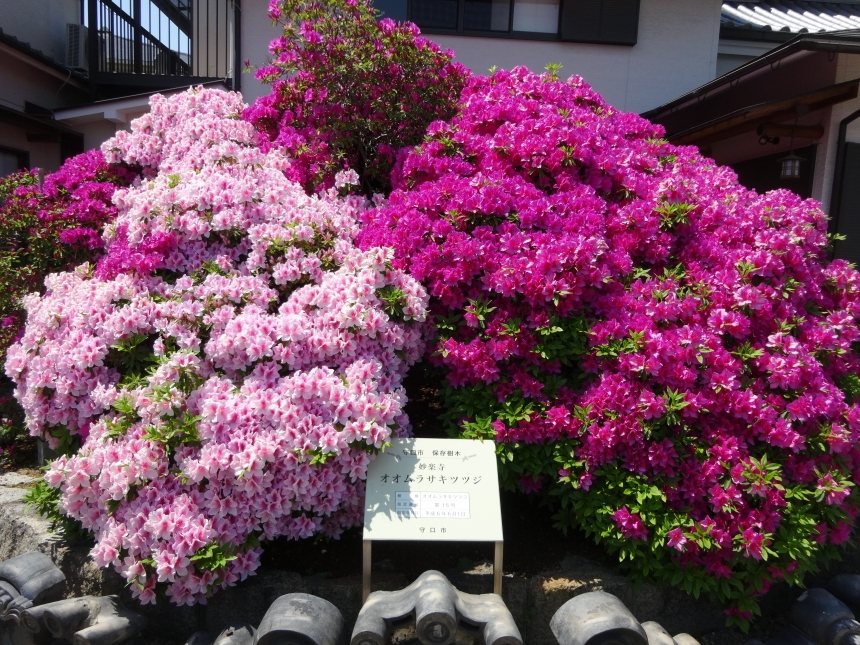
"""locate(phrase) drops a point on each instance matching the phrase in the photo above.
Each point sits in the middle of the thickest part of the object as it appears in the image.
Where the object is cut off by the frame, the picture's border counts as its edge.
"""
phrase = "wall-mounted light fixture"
(789, 166)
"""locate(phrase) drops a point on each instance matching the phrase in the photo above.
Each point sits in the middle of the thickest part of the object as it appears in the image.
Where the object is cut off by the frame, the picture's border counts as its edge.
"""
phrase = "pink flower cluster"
(232, 364)
(628, 301)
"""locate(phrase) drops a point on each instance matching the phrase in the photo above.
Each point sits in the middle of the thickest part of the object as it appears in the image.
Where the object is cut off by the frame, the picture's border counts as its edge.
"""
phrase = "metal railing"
(188, 39)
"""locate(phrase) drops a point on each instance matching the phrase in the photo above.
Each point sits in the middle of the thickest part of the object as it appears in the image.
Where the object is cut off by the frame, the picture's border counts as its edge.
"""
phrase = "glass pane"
(540, 16)
(435, 14)
(8, 163)
(394, 9)
(486, 15)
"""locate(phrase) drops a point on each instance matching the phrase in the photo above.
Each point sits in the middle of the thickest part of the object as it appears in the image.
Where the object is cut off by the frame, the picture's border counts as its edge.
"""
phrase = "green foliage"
(132, 355)
(552, 70)
(213, 557)
(673, 214)
(651, 560)
(28, 252)
(174, 431)
(850, 385)
(45, 501)
(393, 300)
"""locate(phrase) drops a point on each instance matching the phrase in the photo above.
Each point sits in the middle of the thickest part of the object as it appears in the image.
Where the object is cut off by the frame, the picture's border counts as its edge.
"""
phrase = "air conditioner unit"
(77, 55)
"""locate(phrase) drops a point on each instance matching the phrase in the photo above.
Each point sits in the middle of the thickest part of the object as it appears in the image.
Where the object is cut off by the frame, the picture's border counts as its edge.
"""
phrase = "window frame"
(520, 35)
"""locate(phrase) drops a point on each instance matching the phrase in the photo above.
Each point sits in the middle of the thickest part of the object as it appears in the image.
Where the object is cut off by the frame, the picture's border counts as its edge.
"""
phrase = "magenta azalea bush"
(230, 366)
(52, 227)
(348, 91)
(668, 353)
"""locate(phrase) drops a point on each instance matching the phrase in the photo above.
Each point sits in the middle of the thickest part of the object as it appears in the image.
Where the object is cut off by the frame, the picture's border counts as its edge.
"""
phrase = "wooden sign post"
(434, 489)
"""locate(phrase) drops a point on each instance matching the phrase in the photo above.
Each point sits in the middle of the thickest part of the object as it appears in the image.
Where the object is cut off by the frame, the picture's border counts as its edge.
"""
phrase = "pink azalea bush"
(52, 227)
(670, 352)
(48, 228)
(231, 365)
(348, 91)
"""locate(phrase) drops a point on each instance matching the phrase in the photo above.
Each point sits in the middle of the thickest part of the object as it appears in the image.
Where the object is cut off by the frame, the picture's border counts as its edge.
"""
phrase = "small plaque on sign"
(434, 489)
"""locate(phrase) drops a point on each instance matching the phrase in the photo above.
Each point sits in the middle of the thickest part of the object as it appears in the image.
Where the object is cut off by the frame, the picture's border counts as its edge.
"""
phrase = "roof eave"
(837, 41)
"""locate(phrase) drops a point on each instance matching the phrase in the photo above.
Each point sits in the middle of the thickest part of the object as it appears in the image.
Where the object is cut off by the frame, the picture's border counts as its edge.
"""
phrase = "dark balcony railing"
(163, 43)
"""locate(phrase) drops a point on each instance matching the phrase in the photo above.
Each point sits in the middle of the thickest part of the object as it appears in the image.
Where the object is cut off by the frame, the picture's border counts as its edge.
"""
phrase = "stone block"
(22, 530)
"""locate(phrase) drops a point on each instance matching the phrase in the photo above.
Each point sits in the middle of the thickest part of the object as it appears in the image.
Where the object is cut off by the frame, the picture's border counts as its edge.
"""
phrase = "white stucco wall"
(847, 68)
(257, 31)
(731, 54)
(676, 52)
(42, 24)
(96, 133)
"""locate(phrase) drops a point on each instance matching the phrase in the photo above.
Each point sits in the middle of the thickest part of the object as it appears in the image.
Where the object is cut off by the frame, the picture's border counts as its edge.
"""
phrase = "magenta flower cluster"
(348, 91)
(79, 194)
(231, 365)
(681, 343)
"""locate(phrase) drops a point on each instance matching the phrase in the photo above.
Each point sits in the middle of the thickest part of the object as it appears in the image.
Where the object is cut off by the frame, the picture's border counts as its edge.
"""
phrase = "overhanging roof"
(749, 118)
(122, 109)
(847, 41)
(789, 16)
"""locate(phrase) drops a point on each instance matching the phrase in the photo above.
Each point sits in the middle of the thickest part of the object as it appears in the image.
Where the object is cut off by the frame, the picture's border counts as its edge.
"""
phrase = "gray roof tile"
(791, 16)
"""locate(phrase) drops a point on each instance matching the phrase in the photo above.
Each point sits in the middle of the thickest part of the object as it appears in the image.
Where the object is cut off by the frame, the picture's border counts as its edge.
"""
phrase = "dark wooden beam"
(750, 118)
(788, 130)
(43, 137)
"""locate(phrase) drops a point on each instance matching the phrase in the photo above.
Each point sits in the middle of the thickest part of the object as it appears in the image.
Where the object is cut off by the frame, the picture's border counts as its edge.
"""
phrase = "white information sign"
(434, 489)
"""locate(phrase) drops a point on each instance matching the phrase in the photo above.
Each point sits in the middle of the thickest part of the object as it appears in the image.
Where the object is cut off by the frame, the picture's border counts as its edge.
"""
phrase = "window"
(614, 22)
(13, 160)
(537, 16)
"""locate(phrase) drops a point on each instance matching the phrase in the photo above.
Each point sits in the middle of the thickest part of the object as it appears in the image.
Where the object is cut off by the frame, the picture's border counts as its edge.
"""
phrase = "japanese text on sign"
(433, 489)
(421, 505)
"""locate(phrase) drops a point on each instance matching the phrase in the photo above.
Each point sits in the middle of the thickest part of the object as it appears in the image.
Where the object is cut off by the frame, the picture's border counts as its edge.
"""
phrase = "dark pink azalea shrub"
(45, 229)
(672, 355)
(348, 91)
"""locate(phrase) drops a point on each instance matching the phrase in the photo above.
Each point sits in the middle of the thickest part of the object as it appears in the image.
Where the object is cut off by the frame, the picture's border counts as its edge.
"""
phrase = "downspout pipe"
(839, 172)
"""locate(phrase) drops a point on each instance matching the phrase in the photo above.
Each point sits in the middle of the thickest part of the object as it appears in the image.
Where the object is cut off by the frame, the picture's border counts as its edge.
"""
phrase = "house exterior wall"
(21, 80)
(257, 32)
(676, 52)
(847, 68)
(96, 132)
(42, 24)
(42, 155)
(731, 54)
